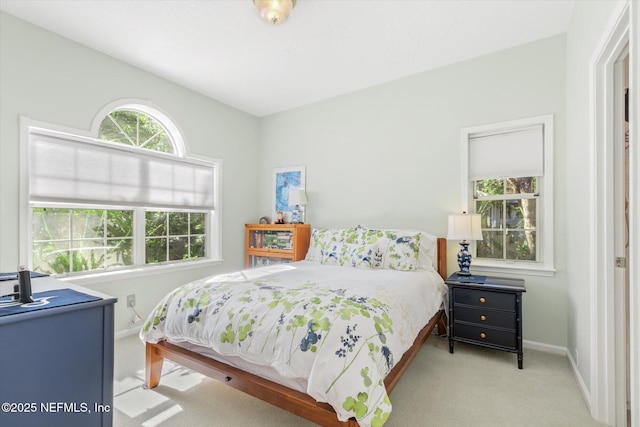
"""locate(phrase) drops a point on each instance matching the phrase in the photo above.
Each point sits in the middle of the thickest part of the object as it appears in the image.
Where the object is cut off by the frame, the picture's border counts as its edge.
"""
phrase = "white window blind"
(510, 154)
(65, 168)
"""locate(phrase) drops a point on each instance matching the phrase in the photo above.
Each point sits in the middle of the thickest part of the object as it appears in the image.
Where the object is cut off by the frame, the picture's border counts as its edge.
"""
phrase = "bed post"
(153, 366)
(442, 270)
(442, 257)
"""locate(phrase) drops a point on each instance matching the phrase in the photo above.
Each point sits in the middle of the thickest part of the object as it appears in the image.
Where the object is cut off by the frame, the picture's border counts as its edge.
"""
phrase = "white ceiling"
(222, 48)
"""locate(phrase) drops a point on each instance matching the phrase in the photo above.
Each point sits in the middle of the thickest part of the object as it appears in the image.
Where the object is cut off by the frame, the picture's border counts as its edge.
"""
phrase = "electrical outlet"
(131, 300)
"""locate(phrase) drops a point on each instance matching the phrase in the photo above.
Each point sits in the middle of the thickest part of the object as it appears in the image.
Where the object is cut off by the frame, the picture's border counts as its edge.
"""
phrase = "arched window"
(129, 198)
(135, 128)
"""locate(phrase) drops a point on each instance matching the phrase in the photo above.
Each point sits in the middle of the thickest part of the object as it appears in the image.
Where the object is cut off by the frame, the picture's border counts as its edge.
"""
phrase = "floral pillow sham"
(362, 247)
(323, 240)
(355, 255)
(402, 247)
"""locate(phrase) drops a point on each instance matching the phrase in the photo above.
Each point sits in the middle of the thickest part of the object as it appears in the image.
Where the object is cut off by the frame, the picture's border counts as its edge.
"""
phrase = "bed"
(326, 338)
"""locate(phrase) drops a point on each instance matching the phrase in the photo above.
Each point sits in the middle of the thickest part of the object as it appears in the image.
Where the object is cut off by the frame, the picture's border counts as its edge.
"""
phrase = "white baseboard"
(586, 394)
(126, 333)
(555, 349)
(547, 348)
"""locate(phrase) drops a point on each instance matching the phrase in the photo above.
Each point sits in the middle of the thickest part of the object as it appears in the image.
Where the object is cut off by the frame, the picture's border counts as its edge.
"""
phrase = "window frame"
(213, 234)
(505, 229)
(545, 226)
(142, 237)
(71, 239)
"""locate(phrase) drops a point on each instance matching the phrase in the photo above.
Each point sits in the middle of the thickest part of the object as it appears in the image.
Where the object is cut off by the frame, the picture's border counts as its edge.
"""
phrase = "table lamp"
(464, 227)
(298, 199)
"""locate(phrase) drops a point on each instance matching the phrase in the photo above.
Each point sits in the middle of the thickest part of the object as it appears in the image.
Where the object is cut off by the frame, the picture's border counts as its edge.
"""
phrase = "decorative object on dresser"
(464, 227)
(486, 311)
(297, 199)
(275, 243)
(279, 218)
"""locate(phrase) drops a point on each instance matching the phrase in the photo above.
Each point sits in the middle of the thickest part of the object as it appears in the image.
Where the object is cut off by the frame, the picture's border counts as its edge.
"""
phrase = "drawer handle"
(482, 299)
(483, 335)
(483, 317)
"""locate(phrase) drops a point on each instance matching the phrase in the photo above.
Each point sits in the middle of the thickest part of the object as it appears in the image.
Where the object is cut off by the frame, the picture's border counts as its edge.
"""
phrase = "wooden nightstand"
(486, 311)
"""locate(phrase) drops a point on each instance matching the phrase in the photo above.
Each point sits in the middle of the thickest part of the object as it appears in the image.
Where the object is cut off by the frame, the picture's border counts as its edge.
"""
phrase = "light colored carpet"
(473, 387)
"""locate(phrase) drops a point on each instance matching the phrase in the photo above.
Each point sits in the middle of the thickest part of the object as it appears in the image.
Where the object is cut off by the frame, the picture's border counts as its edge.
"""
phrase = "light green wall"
(386, 156)
(389, 156)
(51, 79)
(588, 23)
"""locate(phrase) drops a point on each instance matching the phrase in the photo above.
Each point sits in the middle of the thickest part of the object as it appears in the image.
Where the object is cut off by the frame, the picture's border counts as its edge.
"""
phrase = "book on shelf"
(258, 261)
(269, 239)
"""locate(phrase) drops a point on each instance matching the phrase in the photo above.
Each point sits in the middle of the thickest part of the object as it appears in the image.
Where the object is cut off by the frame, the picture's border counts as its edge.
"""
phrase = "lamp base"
(297, 215)
(464, 259)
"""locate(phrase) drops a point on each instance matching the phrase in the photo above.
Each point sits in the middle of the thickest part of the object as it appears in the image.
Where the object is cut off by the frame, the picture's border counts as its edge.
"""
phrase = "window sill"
(150, 270)
(512, 268)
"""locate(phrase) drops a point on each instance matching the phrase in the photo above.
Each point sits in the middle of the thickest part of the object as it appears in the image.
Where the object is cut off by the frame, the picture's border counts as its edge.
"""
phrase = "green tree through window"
(509, 212)
(137, 129)
(173, 236)
(72, 240)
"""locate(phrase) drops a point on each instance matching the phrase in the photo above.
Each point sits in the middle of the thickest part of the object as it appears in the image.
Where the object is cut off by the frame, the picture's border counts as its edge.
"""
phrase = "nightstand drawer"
(482, 316)
(482, 298)
(486, 335)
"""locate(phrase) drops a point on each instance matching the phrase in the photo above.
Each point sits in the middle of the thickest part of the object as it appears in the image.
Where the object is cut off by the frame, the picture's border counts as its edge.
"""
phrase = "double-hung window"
(126, 200)
(508, 180)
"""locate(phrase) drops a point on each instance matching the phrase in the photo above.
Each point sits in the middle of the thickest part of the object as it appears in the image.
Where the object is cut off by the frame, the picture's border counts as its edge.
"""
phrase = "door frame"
(620, 34)
(621, 297)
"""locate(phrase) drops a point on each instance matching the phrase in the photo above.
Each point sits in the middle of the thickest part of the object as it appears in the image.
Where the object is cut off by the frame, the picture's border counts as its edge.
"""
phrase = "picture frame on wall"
(286, 179)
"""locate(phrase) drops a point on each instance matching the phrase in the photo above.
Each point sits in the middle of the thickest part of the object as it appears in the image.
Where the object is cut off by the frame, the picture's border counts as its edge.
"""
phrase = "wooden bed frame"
(283, 397)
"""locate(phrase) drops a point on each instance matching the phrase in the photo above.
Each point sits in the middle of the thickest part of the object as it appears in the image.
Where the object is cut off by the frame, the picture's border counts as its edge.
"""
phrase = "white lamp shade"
(297, 197)
(464, 227)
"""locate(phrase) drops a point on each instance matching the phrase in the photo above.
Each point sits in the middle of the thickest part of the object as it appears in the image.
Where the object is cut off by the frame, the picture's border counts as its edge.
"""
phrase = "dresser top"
(486, 282)
(48, 283)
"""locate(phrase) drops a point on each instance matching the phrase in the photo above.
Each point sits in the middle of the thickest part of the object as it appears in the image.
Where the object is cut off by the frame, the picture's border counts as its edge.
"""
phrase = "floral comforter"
(339, 328)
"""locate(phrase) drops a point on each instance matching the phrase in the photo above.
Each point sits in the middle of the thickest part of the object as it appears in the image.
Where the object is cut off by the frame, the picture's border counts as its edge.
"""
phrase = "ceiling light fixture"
(274, 11)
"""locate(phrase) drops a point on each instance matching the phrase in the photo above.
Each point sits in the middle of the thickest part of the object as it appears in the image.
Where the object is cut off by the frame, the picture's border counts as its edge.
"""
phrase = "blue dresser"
(56, 363)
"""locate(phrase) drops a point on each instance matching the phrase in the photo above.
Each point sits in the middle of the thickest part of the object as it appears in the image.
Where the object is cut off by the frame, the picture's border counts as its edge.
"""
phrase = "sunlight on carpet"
(133, 400)
(163, 416)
